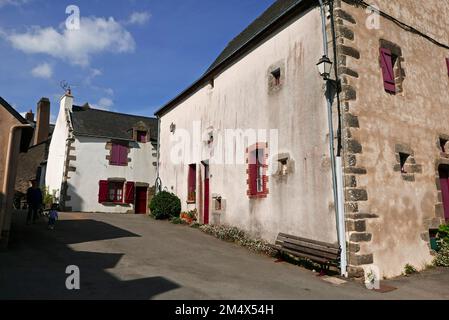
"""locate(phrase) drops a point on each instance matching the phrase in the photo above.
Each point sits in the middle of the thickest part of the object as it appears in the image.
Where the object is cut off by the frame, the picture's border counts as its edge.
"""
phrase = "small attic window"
(277, 76)
(142, 136)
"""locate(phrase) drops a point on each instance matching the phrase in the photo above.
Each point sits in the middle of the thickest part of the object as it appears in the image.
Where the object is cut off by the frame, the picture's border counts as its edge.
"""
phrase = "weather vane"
(66, 87)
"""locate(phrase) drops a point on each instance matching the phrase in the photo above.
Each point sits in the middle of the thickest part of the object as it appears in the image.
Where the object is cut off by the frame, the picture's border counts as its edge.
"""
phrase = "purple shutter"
(115, 154)
(386, 61)
(123, 155)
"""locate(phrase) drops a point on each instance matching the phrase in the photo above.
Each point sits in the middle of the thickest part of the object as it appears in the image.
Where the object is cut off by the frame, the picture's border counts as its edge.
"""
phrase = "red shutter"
(386, 61)
(129, 198)
(191, 183)
(252, 179)
(447, 63)
(103, 192)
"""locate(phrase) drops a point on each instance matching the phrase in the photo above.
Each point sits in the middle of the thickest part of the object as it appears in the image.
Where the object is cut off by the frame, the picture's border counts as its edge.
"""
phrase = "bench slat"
(304, 255)
(307, 244)
(320, 243)
(311, 251)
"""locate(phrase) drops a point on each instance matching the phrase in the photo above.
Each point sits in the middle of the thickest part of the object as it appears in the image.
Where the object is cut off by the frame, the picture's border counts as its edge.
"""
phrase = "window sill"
(191, 201)
(110, 204)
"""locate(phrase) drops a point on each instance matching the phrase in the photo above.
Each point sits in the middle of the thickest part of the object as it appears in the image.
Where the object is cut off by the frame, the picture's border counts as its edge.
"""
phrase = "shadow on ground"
(35, 264)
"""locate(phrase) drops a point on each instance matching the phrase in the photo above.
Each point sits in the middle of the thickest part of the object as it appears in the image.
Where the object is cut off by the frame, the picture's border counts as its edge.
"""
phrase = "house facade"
(248, 144)
(101, 161)
(15, 138)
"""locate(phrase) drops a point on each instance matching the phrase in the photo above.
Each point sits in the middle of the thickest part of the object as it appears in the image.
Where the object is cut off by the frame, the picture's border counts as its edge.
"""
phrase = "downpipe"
(336, 162)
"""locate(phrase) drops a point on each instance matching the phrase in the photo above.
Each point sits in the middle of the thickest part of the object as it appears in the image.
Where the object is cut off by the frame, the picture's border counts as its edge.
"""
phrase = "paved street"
(135, 257)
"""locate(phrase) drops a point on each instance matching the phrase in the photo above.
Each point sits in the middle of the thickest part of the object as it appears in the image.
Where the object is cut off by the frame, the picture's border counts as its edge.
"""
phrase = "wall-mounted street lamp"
(325, 67)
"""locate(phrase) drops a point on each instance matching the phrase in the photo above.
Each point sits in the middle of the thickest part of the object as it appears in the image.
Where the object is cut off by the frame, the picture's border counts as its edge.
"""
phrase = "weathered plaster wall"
(89, 165)
(300, 203)
(389, 222)
(58, 146)
(7, 121)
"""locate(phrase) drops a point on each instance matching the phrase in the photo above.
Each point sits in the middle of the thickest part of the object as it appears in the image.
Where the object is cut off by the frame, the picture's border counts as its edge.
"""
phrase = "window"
(277, 76)
(142, 136)
(387, 61)
(447, 64)
(443, 143)
(257, 179)
(191, 184)
(119, 155)
(403, 160)
(110, 191)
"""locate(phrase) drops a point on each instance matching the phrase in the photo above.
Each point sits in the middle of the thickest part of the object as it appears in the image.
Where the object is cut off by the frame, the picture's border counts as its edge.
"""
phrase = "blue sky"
(135, 62)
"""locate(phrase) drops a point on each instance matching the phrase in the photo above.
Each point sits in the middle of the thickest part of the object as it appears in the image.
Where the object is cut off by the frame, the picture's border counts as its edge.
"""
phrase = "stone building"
(32, 165)
(15, 137)
(389, 123)
(101, 161)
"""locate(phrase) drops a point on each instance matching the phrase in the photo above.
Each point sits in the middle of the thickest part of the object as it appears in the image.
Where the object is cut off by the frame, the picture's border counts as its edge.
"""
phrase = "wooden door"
(206, 206)
(141, 200)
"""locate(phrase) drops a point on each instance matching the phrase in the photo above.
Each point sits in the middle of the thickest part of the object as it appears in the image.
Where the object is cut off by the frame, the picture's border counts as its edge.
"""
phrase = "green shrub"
(443, 233)
(165, 205)
(442, 258)
(176, 220)
(409, 269)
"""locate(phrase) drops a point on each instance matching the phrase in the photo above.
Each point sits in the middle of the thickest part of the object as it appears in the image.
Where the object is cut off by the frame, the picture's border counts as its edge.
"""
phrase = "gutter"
(336, 162)
(7, 176)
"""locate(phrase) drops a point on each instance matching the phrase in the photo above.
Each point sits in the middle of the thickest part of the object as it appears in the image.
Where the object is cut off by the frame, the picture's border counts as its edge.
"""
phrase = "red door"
(444, 183)
(206, 194)
(141, 200)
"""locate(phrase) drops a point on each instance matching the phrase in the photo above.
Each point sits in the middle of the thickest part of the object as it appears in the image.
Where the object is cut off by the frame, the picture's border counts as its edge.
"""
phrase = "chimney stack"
(43, 121)
(29, 116)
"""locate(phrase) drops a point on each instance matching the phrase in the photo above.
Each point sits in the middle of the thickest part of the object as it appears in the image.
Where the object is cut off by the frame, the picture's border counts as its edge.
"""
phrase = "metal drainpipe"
(337, 176)
(158, 182)
(6, 180)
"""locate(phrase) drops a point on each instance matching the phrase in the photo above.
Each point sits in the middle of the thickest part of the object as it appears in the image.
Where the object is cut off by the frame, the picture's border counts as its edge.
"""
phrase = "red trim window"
(115, 192)
(191, 184)
(142, 136)
(110, 191)
(257, 171)
(387, 60)
(119, 155)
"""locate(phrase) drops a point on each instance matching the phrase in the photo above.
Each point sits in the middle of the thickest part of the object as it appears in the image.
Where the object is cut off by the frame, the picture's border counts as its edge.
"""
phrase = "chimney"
(29, 116)
(43, 121)
(66, 102)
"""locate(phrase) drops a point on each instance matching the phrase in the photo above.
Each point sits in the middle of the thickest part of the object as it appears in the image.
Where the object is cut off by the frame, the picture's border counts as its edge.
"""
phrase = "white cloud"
(96, 35)
(12, 2)
(104, 104)
(139, 18)
(43, 71)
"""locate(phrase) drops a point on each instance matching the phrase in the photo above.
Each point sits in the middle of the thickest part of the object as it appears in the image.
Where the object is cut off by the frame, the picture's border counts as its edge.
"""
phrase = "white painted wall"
(57, 150)
(302, 204)
(92, 166)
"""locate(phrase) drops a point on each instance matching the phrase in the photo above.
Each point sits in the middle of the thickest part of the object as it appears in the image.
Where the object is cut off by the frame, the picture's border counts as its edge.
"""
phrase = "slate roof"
(254, 34)
(262, 22)
(105, 124)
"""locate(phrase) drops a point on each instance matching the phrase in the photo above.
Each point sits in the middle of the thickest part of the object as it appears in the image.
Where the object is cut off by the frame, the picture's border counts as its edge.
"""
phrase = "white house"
(101, 161)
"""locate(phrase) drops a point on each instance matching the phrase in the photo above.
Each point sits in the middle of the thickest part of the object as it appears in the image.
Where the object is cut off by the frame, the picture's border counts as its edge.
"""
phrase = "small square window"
(403, 159)
(277, 76)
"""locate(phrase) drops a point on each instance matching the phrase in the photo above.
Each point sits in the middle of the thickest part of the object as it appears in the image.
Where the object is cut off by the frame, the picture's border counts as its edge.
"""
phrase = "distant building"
(393, 70)
(32, 165)
(15, 138)
(101, 161)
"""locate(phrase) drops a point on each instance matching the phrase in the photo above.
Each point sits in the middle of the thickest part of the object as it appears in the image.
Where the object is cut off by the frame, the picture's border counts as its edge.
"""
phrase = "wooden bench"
(325, 254)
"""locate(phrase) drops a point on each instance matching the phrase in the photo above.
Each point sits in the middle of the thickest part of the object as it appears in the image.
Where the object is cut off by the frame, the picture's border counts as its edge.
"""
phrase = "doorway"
(206, 204)
(444, 184)
(141, 200)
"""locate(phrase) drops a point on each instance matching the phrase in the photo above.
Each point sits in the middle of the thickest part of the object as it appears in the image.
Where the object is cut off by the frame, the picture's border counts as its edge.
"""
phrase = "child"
(53, 216)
